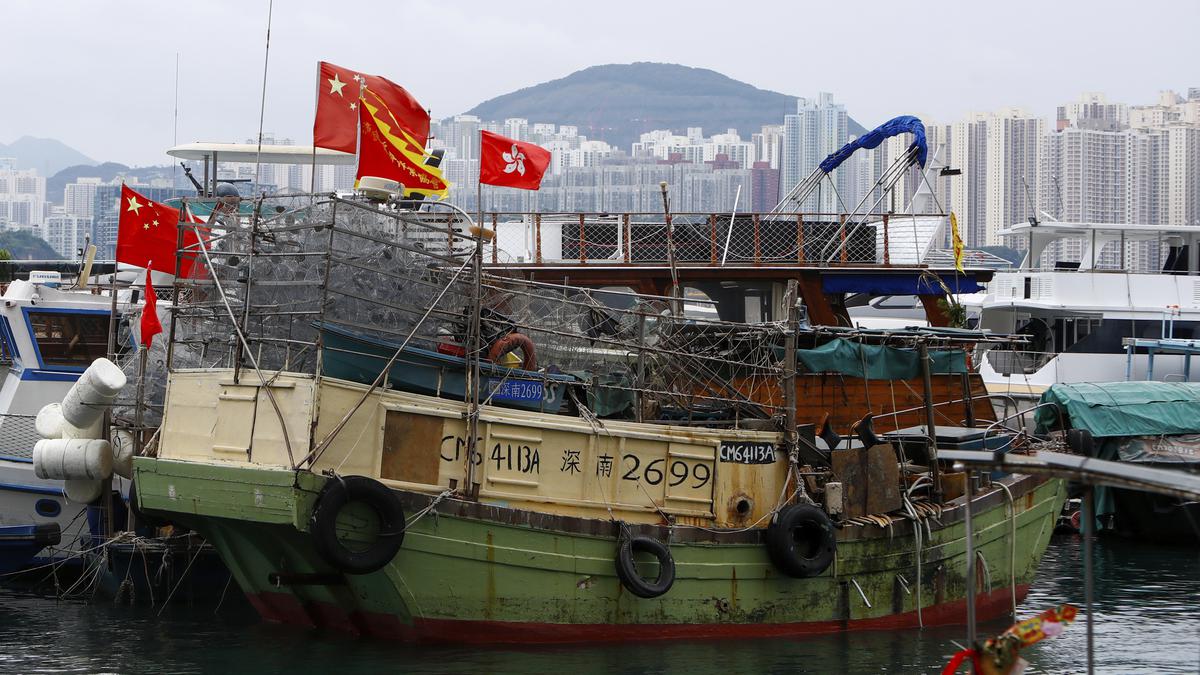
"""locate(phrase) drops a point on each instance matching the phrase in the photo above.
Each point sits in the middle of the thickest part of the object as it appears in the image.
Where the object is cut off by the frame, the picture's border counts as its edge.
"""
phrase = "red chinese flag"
(151, 326)
(147, 235)
(381, 154)
(503, 161)
(338, 93)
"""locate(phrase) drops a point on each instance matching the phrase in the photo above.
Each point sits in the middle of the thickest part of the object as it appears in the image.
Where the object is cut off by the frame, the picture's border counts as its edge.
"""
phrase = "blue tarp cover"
(1116, 409)
(877, 362)
(905, 124)
(897, 284)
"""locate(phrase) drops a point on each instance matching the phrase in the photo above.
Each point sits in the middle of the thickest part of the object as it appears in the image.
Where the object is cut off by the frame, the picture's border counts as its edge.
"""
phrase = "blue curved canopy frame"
(905, 124)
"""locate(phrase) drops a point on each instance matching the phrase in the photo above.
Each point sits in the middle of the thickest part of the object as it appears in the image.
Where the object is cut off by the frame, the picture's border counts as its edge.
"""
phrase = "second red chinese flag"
(509, 163)
(147, 233)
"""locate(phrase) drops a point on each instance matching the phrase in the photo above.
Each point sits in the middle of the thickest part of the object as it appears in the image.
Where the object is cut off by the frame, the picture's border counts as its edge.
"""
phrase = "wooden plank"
(410, 447)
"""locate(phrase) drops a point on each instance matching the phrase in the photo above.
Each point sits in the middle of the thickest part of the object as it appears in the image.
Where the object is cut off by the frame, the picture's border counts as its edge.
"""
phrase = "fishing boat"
(705, 507)
(1141, 424)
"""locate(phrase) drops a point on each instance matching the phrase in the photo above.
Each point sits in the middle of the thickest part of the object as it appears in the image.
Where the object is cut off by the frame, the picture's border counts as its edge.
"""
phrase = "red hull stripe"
(286, 608)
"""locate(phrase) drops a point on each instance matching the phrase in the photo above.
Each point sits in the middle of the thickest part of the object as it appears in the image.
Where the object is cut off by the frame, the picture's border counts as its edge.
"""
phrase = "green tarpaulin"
(877, 362)
(1123, 408)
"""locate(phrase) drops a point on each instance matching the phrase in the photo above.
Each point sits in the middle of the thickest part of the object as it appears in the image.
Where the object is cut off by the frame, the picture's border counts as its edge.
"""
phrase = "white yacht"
(1075, 313)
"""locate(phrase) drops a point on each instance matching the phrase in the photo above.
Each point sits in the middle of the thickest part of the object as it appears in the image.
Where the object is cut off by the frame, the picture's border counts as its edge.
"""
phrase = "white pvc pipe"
(49, 421)
(95, 390)
(83, 491)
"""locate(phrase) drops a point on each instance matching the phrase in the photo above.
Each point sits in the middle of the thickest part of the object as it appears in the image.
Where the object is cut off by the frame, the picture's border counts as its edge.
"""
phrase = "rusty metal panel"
(850, 468)
(883, 479)
(870, 480)
(410, 447)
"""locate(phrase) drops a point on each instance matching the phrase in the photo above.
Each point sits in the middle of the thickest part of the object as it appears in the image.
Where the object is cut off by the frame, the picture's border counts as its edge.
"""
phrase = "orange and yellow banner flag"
(956, 242)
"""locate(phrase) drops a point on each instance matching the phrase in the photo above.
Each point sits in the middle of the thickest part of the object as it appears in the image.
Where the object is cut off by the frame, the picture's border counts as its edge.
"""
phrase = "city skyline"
(964, 59)
(1096, 161)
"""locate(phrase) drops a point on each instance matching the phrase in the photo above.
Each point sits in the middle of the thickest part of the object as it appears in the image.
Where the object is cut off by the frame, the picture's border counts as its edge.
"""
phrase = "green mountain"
(26, 246)
(618, 102)
(47, 155)
(57, 184)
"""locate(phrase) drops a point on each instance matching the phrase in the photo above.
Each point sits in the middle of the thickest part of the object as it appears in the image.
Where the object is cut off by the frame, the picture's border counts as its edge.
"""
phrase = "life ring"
(627, 569)
(801, 541)
(335, 496)
(513, 341)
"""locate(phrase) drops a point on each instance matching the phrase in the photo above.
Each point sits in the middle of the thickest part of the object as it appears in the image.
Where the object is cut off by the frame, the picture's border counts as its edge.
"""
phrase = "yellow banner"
(957, 242)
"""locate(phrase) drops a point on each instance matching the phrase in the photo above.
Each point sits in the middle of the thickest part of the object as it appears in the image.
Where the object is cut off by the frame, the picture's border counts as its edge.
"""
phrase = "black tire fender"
(627, 569)
(801, 541)
(322, 526)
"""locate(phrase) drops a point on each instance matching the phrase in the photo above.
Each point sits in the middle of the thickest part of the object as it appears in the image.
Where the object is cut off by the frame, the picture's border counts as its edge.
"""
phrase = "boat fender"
(88, 398)
(72, 459)
(515, 341)
(338, 493)
(801, 541)
(49, 421)
(627, 571)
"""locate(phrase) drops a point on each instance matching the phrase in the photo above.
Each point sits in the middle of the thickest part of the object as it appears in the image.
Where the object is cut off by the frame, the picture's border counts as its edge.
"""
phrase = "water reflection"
(1148, 621)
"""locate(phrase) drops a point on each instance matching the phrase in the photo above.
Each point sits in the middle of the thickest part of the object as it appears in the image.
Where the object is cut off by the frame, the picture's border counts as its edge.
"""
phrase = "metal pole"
(971, 637)
(789, 372)
(930, 428)
(1089, 531)
(732, 218)
(676, 310)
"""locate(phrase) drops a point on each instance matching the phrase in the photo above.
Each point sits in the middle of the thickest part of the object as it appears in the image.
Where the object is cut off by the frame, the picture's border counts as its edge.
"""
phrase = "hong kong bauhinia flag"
(147, 233)
(338, 93)
(509, 163)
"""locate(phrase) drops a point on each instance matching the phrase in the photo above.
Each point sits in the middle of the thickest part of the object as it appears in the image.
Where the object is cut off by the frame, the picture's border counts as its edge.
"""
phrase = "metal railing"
(709, 239)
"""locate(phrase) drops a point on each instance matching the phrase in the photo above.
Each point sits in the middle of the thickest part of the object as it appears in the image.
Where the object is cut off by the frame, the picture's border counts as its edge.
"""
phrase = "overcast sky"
(100, 75)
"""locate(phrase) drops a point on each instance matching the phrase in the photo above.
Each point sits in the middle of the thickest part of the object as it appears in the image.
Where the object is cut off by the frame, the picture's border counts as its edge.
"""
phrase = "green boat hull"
(470, 572)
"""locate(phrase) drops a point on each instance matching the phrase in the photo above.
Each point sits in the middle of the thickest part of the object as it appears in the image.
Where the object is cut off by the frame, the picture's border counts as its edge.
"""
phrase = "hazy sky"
(100, 75)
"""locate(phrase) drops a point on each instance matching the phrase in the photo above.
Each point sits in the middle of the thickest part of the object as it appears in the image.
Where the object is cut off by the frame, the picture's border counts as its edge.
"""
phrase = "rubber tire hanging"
(627, 569)
(336, 495)
(801, 541)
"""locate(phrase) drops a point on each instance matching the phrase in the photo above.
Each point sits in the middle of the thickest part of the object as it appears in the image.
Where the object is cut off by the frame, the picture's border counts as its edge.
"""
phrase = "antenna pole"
(262, 108)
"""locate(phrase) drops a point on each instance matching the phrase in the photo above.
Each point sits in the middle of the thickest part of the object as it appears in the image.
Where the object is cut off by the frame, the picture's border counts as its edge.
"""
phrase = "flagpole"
(316, 102)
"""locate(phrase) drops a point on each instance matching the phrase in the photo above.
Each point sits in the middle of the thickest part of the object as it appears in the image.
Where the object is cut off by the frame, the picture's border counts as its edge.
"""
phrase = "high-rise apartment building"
(66, 232)
(818, 128)
(79, 197)
(1014, 144)
(22, 197)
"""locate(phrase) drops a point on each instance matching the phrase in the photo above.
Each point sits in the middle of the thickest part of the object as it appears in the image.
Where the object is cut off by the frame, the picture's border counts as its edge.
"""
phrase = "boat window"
(697, 305)
(73, 340)
(1073, 329)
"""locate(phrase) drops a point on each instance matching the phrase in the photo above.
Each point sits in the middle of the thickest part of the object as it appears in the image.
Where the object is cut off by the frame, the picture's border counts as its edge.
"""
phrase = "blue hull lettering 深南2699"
(515, 390)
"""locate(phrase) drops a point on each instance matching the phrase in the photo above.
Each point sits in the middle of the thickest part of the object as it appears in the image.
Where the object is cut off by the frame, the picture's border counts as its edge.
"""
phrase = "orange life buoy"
(513, 341)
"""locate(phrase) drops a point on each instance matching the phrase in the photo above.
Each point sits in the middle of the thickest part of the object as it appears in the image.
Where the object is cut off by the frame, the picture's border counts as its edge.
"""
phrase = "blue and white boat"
(50, 336)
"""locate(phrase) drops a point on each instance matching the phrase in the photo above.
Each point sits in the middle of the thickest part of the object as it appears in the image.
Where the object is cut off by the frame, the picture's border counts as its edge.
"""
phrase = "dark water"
(1148, 621)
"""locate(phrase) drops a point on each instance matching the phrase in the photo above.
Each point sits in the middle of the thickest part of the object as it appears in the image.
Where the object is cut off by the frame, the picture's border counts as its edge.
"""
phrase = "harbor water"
(1147, 621)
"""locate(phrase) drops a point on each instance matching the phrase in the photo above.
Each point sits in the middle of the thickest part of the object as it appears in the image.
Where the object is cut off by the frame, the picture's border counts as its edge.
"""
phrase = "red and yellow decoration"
(1001, 655)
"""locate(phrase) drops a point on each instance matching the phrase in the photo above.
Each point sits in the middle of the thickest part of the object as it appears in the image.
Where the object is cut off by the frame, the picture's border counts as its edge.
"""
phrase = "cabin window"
(68, 339)
(1071, 330)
